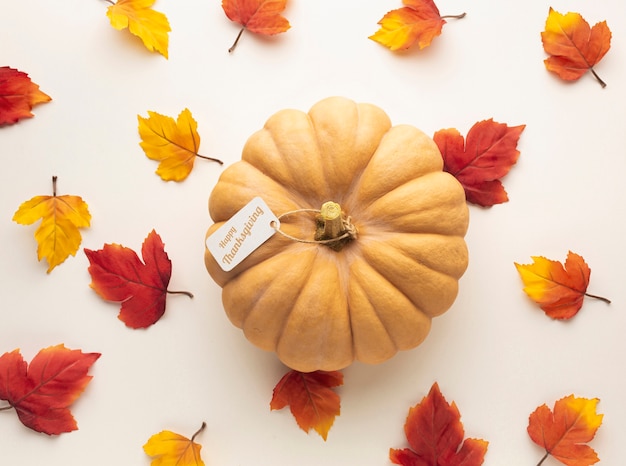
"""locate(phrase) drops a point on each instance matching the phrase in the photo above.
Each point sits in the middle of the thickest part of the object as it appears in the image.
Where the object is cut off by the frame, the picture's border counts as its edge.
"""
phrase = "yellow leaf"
(174, 144)
(151, 26)
(61, 217)
(172, 449)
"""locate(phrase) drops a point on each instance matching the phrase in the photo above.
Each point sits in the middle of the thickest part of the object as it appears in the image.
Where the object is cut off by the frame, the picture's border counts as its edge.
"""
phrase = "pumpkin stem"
(332, 224)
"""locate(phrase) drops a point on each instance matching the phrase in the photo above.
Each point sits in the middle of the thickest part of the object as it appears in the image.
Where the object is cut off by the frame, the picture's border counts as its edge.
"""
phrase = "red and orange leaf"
(43, 391)
(118, 275)
(479, 161)
(573, 46)
(58, 235)
(418, 22)
(258, 16)
(171, 449)
(558, 288)
(435, 434)
(310, 398)
(564, 431)
(18, 95)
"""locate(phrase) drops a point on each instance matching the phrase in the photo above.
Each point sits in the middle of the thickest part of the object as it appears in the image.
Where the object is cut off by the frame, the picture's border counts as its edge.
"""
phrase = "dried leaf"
(58, 235)
(418, 22)
(573, 46)
(310, 398)
(174, 144)
(435, 434)
(564, 431)
(43, 391)
(118, 275)
(18, 95)
(258, 16)
(151, 26)
(171, 449)
(478, 163)
(558, 289)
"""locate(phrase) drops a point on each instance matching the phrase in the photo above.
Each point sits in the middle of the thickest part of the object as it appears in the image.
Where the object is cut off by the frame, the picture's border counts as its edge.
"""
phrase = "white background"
(494, 353)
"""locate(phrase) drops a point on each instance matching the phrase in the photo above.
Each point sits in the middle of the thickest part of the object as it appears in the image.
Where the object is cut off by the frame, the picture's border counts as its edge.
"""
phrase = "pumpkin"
(319, 302)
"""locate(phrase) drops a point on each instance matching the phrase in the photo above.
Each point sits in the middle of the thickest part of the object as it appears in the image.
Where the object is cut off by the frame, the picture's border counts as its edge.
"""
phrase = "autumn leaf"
(171, 449)
(18, 95)
(564, 431)
(478, 163)
(558, 288)
(58, 234)
(118, 275)
(573, 46)
(172, 143)
(257, 16)
(151, 26)
(435, 434)
(418, 22)
(41, 393)
(310, 398)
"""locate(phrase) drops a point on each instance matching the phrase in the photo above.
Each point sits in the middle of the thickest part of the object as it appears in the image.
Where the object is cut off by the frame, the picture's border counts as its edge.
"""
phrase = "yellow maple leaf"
(151, 26)
(171, 449)
(58, 235)
(172, 143)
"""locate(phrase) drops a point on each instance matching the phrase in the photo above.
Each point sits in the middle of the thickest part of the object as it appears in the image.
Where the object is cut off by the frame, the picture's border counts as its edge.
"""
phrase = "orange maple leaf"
(435, 433)
(174, 144)
(42, 392)
(564, 431)
(573, 46)
(169, 448)
(118, 275)
(558, 289)
(58, 235)
(18, 95)
(418, 22)
(310, 398)
(479, 161)
(151, 26)
(258, 16)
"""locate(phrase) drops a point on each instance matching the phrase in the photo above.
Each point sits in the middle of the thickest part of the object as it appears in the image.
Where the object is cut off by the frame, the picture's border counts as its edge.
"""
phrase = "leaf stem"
(210, 158)
(54, 186)
(232, 47)
(6, 408)
(110, 1)
(543, 459)
(462, 15)
(602, 83)
(193, 437)
(186, 293)
(601, 298)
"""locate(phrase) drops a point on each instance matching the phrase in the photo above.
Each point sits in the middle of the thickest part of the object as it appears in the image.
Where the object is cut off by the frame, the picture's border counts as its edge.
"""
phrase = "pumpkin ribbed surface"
(321, 308)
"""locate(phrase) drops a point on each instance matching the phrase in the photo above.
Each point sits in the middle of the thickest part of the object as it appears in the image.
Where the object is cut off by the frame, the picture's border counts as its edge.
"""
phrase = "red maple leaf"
(118, 275)
(479, 161)
(18, 94)
(43, 391)
(435, 433)
(310, 398)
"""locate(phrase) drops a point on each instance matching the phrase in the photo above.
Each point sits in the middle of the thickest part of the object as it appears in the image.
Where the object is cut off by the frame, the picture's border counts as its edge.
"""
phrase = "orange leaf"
(564, 431)
(172, 449)
(435, 433)
(573, 46)
(258, 16)
(58, 235)
(418, 22)
(18, 94)
(310, 397)
(43, 391)
(558, 289)
(118, 275)
(478, 163)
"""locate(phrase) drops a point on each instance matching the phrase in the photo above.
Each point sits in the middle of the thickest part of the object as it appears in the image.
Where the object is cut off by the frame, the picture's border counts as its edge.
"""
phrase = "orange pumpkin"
(321, 303)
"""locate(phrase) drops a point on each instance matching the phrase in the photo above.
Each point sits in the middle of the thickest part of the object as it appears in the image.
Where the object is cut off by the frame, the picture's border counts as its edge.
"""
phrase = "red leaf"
(43, 392)
(310, 398)
(435, 433)
(118, 275)
(18, 94)
(487, 155)
(258, 16)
